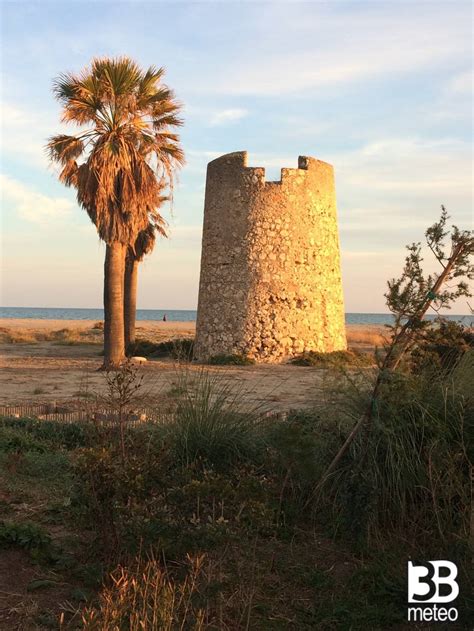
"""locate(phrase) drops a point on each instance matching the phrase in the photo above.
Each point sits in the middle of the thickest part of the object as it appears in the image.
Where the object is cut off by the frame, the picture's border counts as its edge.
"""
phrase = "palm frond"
(64, 148)
(129, 150)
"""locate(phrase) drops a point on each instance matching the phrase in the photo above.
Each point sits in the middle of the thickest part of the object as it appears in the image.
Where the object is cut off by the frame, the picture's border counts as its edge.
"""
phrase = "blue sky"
(382, 90)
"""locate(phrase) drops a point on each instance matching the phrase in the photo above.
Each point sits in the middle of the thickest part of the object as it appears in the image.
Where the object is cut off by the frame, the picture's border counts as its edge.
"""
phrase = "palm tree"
(144, 244)
(117, 163)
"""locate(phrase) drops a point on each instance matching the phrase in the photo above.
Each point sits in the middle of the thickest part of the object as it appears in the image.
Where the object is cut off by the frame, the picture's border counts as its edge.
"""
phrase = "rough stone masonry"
(270, 285)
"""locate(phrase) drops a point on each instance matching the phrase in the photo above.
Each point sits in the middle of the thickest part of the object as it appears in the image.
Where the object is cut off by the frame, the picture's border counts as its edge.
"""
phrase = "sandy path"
(35, 375)
(45, 371)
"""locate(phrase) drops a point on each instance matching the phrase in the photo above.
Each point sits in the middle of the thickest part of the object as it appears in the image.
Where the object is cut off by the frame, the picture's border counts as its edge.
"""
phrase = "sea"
(180, 315)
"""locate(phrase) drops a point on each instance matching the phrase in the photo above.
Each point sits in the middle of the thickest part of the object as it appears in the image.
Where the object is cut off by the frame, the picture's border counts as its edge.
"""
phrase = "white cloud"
(350, 48)
(407, 165)
(24, 133)
(32, 205)
(461, 83)
(411, 166)
(228, 116)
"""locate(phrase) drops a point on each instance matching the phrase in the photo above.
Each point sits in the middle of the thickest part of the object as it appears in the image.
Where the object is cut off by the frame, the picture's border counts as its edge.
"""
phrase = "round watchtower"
(270, 285)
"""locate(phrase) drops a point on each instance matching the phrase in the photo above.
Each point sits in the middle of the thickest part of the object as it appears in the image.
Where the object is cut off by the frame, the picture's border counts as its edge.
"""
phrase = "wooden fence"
(52, 412)
(93, 413)
(26, 410)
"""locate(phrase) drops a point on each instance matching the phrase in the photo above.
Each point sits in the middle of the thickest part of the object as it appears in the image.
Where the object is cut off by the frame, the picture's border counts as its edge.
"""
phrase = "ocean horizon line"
(180, 315)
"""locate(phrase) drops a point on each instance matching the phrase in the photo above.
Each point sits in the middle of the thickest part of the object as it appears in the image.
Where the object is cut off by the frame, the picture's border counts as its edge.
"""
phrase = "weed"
(374, 598)
(235, 359)
(212, 423)
(298, 450)
(28, 536)
(36, 435)
(123, 388)
(178, 348)
(145, 598)
(366, 335)
(13, 440)
(413, 472)
(67, 337)
(442, 346)
(337, 359)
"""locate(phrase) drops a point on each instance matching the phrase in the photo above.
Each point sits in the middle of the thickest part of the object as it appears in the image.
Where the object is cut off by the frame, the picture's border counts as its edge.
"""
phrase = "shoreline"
(53, 324)
(24, 331)
(184, 325)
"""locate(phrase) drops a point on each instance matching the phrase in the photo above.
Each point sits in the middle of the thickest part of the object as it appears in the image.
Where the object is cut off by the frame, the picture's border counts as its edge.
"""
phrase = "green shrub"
(149, 501)
(25, 535)
(41, 435)
(179, 348)
(213, 423)
(443, 345)
(13, 439)
(231, 360)
(374, 598)
(335, 359)
(412, 471)
(299, 449)
(46, 465)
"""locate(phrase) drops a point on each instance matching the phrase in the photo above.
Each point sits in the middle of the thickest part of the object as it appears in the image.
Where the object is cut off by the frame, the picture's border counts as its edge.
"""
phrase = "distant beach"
(175, 315)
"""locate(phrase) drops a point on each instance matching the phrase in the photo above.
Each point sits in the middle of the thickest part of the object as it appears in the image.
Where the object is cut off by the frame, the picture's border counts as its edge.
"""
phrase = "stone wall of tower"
(270, 285)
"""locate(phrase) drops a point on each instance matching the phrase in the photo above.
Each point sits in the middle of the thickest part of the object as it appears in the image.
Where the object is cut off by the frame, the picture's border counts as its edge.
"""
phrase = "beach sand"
(56, 360)
(17, 324)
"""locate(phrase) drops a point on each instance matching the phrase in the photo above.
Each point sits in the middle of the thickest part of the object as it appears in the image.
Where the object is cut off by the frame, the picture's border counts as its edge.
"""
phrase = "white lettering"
(428, 614)
(432, 614)
(455, 614)
(446, 580)
(442, 614)
(415, 611)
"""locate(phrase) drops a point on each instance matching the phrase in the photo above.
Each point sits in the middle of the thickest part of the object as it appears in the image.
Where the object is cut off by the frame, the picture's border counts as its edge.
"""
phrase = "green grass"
(212, 423)
(413, 471)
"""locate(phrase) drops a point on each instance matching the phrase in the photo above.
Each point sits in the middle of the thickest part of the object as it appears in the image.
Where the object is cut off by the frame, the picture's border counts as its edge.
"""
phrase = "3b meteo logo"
(430, 584)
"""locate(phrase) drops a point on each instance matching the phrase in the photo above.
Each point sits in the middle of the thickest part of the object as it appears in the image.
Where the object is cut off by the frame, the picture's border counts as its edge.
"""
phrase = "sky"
(381, 90)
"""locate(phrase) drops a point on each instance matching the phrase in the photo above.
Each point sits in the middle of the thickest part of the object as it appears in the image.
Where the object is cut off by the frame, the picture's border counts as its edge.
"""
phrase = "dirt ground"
(57, 360)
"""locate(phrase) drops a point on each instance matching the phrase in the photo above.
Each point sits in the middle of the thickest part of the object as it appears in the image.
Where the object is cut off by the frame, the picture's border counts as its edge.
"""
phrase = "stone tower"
(270, 285)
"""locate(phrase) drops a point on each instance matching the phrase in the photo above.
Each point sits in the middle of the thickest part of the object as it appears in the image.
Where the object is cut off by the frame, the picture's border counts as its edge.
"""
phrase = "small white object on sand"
(138, 360)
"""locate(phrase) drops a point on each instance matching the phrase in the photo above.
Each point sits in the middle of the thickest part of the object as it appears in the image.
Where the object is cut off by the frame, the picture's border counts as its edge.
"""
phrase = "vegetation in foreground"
(214, 519)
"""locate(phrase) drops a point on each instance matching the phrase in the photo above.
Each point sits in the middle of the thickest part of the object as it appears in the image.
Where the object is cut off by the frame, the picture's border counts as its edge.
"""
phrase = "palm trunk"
(114, 342)
(130, 300)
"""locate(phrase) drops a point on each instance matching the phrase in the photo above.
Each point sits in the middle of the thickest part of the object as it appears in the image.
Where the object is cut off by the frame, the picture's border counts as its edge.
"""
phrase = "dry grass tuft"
(61, 336)
(366, 335)
(145, 598)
